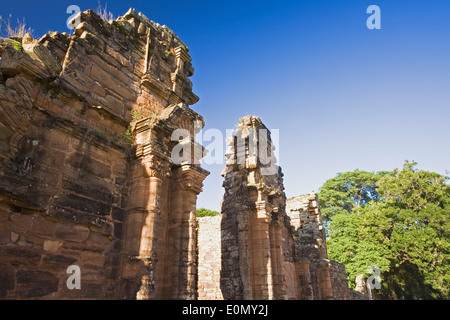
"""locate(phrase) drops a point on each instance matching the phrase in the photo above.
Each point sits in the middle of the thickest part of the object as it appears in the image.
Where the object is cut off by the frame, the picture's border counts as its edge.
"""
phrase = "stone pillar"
(260, 255)
(324, 282)
(242, 255)
(276, 253)
(271, 248)
(305, 288)
(252, 242)
(177, 77)
(143, 220)
(361, 292)
(147, 250)
(188, 182)
(149, 171)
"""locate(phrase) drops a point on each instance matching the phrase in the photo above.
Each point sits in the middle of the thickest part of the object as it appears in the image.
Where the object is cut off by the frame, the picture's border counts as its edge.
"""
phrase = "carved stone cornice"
(269, 190)
(181, 89)
(190, 177)
(182, 54)
(264, 210)
(157, 167)
(151, 138)
(174, 114)
(277, 217)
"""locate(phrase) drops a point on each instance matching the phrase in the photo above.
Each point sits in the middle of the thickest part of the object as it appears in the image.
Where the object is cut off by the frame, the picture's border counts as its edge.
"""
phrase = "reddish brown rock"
(272, 248)
(86, 176)
(87, 179)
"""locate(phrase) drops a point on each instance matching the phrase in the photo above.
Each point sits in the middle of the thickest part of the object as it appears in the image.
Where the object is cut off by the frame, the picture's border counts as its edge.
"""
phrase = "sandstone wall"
(87, 178)
(209, 258)
(327, 279)
(85, 171)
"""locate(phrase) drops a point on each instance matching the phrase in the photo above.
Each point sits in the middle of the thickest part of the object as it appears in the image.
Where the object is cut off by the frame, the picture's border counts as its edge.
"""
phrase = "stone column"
(276, 252)
(183, 231)
(178, 81)
(243, 254)
(305, 288)
(249, 201)
(149, 170)
(261, 254)
(147, 250)
(324, 280)
(143, 218)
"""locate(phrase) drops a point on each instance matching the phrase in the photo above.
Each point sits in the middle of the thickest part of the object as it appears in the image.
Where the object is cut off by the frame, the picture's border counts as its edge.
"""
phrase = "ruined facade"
(271, 248)
(88, 128)
(327, 279)
(86, 176)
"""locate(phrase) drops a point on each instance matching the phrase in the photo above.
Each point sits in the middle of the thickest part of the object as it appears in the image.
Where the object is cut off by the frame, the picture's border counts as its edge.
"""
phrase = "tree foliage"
(404, 230)
(348, 190)
(202, 212)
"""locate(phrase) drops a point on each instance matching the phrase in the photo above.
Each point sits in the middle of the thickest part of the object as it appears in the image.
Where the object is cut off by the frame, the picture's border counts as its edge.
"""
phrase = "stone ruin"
(272, 248)
(86, 176)
(87, 179)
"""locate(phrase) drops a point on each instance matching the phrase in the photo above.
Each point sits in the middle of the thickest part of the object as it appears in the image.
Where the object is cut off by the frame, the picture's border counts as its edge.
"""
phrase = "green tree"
(413, 189)
(405, 231)
(202, 212)
(347, 191)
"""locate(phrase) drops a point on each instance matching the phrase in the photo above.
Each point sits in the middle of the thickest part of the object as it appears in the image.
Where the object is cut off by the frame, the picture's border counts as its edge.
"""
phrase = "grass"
(104, 13)
(167, 54)
(135, 117)
(112, 136)
(17, 45)
(132, 38)
(128, 135)
(10, 31)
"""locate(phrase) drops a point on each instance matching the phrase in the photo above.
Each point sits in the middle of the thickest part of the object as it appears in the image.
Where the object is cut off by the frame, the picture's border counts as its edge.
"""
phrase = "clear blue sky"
(343, 96)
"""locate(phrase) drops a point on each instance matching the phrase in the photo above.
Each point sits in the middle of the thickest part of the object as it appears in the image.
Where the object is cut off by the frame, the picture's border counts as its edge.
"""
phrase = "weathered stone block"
(83, 204)
(33, 283)
(7, 279)
(117, 213)
(21, 222)
(52, 246)
(73, 233)
(89, 165)
(118, 232)
(88, 190)
(56, 262)
(42, 227)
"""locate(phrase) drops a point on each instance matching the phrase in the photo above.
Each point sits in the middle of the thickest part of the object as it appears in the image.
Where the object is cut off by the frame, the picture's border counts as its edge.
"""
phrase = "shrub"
(202, 212)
